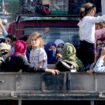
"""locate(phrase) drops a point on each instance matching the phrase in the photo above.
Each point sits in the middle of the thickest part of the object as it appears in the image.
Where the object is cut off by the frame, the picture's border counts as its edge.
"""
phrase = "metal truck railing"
(65, 86)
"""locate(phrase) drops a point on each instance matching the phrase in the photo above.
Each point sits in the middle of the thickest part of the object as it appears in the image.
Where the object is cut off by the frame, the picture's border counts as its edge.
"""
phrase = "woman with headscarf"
(69, 57)
(51, 51)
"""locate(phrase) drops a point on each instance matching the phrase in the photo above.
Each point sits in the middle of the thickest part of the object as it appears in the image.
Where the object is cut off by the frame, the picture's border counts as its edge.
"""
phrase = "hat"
(20, 47)
(59, 41)
(4, 46)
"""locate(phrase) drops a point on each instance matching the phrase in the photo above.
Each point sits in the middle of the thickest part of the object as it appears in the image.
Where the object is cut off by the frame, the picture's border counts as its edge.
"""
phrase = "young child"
(87, 33)
(38, 56)
(100, 64)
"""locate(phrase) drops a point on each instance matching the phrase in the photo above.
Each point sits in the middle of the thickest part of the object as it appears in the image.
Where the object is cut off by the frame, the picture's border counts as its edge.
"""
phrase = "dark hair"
(2, 40)
(24, 38)
(12, 37)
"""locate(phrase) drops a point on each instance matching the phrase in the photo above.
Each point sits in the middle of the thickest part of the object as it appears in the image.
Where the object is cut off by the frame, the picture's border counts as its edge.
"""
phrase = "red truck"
(60, 27)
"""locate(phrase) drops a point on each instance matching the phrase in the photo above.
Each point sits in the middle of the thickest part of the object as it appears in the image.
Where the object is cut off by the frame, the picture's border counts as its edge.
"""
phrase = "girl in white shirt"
(87, 33)
(38, 56)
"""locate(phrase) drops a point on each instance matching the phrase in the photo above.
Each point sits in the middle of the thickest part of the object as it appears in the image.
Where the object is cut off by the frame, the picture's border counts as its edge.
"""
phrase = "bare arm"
(3, 28)
(1, 25)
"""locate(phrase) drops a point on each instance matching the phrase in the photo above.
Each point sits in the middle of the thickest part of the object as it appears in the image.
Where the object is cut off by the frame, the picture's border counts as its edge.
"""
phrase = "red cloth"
(20, 47)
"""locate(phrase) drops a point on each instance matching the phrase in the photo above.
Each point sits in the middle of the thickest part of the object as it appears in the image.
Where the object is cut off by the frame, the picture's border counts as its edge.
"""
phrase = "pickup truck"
(24, 88)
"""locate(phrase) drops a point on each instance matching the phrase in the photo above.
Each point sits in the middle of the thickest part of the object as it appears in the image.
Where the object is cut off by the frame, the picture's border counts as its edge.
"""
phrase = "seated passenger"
(69, 56)
(38, 56)
(99, 45)
(100, 64)
(51, 51)
(4, 51)
(18, 61)
(59, 45)
(10, 39)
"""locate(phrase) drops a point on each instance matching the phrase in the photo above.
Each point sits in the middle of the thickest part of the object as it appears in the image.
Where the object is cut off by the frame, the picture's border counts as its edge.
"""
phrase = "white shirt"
(38, 55)
(87, 27)
(100, 66)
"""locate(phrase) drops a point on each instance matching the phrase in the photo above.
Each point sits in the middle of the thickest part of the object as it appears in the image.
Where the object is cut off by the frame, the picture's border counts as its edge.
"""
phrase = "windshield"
(66, 34)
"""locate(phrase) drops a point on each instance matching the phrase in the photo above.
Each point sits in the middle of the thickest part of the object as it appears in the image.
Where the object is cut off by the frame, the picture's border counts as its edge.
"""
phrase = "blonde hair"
(36, 35)
(86, 8)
